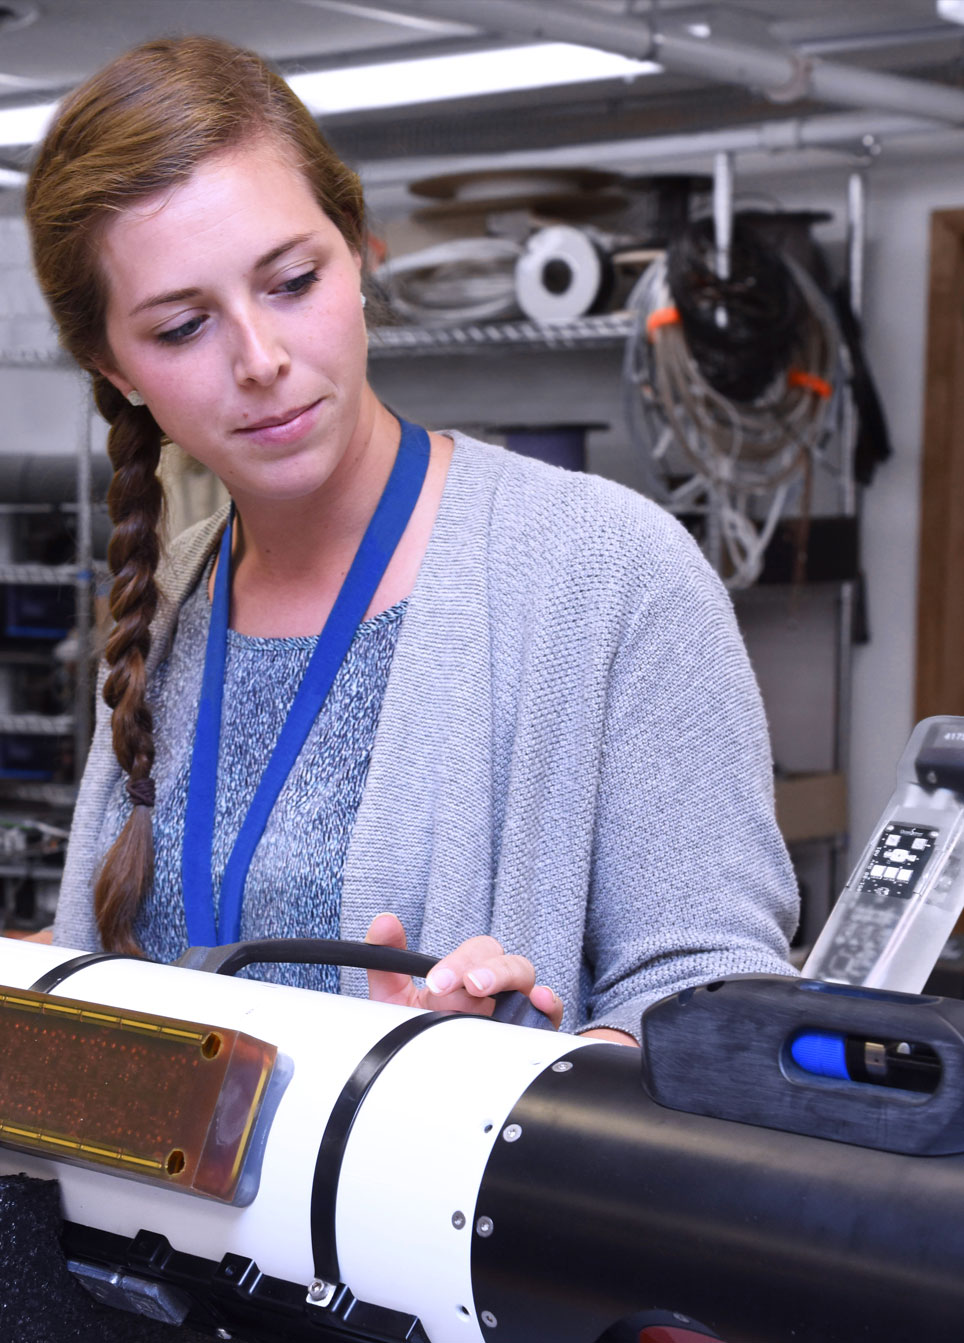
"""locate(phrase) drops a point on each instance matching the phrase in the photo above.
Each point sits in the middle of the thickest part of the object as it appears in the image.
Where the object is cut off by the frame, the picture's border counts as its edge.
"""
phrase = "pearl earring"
(364, 300)
(134, 397)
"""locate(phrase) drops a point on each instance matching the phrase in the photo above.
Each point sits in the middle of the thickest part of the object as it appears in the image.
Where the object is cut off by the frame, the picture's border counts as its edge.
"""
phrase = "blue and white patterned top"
(294, 883)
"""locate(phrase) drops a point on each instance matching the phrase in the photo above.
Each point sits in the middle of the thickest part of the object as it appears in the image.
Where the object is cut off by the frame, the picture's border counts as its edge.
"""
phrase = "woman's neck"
(277, 538)
(290, 559)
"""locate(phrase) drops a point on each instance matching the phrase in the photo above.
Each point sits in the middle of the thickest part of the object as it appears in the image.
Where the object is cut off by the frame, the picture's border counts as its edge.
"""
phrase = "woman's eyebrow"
(178, 295)
(281, 249)
(158, 300)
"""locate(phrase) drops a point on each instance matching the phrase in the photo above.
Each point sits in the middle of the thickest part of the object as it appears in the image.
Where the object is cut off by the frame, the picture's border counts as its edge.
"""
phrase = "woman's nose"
(260, 354)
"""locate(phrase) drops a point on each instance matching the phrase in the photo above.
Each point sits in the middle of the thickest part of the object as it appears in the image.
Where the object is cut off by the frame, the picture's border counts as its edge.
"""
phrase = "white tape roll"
(559, 275)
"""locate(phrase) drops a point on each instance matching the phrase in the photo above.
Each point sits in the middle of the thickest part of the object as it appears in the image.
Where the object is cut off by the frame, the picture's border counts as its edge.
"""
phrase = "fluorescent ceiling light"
(24, 125)
(396, 83)
(952, 10)
(434, 78)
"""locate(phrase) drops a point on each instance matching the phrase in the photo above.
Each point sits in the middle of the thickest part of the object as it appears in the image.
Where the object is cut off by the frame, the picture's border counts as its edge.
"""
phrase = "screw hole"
(211, 1045)
(175, 1162)
(463, 1310)
(486, 1128)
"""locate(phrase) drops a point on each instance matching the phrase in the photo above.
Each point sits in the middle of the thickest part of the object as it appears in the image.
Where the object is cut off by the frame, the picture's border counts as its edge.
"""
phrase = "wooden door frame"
(940, 583)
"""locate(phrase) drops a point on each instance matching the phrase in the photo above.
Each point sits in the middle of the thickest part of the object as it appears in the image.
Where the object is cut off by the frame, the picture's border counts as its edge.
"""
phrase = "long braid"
(135, 500)
(140, 126)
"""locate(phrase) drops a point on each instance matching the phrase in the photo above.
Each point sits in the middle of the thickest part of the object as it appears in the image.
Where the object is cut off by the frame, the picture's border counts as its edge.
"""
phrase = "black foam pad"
(40, 1299)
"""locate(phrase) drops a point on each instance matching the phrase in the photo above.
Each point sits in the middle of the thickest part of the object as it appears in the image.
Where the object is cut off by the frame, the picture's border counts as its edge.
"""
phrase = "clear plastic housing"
(906, 893)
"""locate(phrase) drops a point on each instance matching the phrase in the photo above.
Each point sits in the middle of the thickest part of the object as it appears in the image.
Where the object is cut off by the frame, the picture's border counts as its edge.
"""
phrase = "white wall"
(901, 199)
(43, 404)
(896, 321)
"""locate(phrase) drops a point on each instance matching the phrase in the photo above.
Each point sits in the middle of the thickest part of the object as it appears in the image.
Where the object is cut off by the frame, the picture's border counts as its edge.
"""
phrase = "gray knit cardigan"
(572, 753)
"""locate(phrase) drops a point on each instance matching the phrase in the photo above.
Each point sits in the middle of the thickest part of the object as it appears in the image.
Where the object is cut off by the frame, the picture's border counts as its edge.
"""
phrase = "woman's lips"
(286, 427)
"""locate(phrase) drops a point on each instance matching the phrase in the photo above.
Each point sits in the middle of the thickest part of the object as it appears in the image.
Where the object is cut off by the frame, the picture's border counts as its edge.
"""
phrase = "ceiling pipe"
(705, 46)
(787, 76)
(856, 238)
(843, 130)
(558, 21)
(723, 217)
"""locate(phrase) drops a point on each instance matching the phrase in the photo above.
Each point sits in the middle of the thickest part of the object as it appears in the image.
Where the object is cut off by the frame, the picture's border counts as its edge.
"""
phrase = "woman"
(570, 758)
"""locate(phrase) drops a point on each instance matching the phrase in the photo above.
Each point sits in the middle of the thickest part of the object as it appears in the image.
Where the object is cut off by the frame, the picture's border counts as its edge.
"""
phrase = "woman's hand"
(463, 981)
(611, 1036)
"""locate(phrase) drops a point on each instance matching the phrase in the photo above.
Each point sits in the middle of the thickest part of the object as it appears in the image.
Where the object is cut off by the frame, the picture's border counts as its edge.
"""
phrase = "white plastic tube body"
(415, 1156)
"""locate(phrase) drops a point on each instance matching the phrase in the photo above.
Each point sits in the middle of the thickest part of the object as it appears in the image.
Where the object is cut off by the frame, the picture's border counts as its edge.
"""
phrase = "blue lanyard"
(383, 534)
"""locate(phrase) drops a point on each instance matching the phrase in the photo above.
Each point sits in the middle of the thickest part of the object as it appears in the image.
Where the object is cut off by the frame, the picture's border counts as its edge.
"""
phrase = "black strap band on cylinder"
(67, 968)
(324, 1188)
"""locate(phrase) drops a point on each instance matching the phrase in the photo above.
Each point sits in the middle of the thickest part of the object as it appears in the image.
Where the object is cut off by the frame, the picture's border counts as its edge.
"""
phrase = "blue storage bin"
(38, 610)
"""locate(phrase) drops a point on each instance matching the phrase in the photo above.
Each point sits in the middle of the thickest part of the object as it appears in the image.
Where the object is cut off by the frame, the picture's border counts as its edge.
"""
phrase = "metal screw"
(512, 1132)
(872, 145)
(489, 1319)
(562, 1067)
(484, 1226)
(458, 1220)
(320, 1293)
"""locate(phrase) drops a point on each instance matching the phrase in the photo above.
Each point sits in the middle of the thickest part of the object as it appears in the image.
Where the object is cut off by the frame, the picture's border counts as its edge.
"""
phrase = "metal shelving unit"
(581, 333)
(38, 724)
(32, 870)
(59, 796)
(41, 574)
(30, 881)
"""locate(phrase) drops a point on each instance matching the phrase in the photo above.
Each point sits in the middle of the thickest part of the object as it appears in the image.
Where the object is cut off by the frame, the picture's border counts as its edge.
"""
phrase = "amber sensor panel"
(173, 1102)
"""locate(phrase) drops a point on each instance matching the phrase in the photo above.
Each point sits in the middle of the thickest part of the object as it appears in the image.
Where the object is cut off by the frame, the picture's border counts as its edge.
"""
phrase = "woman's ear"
(118, 380)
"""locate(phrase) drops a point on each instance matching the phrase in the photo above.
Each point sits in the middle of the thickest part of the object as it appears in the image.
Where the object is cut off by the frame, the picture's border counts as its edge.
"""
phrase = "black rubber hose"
(513, 1008)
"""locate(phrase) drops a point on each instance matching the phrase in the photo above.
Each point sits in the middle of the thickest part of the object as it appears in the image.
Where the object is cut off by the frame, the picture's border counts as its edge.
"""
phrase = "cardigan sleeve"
(690, 878)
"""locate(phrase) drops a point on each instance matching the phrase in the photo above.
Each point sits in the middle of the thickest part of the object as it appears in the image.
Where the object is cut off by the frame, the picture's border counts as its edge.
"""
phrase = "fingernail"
(484, 980)
(440, 981)
(385, 914)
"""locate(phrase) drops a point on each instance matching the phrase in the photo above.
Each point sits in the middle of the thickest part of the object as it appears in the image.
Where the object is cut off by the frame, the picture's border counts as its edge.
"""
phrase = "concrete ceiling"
(48, 46)
(57, 42)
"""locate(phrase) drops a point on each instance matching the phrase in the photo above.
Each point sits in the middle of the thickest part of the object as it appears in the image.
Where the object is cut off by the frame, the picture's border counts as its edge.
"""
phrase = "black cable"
(511, 1007)
(873, 444)
(740, 331)
(234, 956)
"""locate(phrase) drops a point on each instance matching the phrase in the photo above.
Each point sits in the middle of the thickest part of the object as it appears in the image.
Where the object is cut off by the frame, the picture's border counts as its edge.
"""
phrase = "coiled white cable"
(465, 280)
(723, 461)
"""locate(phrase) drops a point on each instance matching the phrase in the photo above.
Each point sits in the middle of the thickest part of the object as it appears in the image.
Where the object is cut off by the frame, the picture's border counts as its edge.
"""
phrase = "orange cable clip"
(661, 317)
(797, 377)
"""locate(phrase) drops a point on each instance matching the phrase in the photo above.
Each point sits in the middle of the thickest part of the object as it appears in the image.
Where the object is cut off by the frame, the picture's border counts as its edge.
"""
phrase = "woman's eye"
(299, 283)
(180, 333)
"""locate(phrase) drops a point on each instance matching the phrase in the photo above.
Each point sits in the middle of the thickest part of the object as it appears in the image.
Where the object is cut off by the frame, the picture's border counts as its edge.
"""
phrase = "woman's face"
(234, 309)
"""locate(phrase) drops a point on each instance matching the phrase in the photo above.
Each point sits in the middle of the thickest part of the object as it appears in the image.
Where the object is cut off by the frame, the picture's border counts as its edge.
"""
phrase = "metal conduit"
(796, 133)
(699, 49)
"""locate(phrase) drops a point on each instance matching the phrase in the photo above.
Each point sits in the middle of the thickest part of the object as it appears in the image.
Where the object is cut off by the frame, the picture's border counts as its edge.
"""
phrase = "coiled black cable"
(740, 330)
